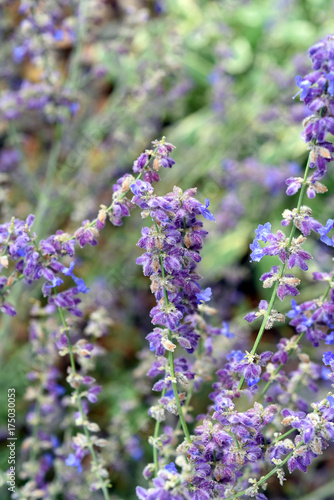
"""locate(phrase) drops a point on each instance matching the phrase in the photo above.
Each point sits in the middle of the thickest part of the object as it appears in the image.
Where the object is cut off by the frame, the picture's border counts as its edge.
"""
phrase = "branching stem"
(281, 272)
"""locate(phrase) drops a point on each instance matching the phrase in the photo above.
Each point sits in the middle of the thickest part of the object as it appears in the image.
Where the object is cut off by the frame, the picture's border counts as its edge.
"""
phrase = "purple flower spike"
(226, 330)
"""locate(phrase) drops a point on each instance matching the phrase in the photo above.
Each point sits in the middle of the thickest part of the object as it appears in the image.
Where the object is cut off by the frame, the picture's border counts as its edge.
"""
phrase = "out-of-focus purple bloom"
(226, 330)
(171, 468)
(73, 461)
(204, 296)
(323, 231)
(8, 309)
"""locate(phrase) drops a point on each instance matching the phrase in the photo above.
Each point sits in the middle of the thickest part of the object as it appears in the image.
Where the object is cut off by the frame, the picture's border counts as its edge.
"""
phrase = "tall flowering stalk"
(172, 247)
(44, 395)
(317, 92)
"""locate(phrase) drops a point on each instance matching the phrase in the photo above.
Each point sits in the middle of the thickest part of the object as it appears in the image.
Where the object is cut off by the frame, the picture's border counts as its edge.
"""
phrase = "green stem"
(186, 404)
(177, 399)
(283, 436)
(272, 472)
(329, 286)
(156, 435)
(75, 59)
(281, 272)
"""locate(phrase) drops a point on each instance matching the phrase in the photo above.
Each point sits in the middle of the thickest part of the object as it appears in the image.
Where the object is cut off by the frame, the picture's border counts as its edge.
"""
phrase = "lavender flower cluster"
(24, 258)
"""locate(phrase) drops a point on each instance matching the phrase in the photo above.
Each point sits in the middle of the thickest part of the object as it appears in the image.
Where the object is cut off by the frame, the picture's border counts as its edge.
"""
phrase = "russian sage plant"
(259, 418)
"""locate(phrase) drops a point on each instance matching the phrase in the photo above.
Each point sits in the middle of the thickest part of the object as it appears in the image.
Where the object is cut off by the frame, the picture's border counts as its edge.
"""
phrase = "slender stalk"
(82, 414)
(155, 449)
(272, 472)
(75, 59)
(51, 169)
(329, 286)
(283, 436)
(156, 435)
(177, 399)
(281, 271)
(186, 404)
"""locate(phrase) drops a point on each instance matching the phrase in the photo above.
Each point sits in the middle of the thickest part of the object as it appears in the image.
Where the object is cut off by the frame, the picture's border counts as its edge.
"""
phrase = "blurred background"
(80, 99)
